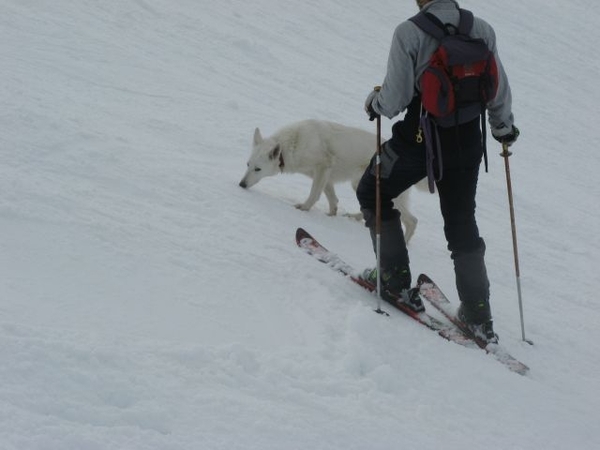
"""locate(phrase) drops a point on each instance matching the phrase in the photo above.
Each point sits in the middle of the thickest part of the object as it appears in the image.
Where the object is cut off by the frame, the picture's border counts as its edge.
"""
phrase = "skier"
(403, 163)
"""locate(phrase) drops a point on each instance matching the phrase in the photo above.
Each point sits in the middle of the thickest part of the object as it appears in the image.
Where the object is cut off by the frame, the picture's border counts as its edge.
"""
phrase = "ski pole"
(505, 154)
(378, 211)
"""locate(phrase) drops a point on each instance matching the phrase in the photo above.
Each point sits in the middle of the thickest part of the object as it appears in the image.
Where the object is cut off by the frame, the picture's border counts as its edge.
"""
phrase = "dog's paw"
(354, 216)
(302, 207)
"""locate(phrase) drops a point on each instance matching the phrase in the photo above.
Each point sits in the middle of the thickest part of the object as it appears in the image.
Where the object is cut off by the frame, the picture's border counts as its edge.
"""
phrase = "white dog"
(327, 152)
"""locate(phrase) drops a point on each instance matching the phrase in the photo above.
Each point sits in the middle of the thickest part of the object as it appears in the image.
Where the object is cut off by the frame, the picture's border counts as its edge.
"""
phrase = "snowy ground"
(148, 302)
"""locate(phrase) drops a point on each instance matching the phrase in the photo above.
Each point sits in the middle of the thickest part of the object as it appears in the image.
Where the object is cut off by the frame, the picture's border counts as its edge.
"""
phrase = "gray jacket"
(409, 55)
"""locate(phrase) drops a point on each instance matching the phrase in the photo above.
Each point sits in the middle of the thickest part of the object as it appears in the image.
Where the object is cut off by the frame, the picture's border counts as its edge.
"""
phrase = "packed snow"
(148, 302)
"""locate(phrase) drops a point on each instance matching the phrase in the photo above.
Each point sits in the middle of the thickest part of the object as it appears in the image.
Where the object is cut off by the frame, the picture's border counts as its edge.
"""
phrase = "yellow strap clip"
(420, 136)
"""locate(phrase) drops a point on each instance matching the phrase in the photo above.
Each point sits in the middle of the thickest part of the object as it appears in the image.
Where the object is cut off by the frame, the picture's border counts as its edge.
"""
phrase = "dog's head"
(264, 161)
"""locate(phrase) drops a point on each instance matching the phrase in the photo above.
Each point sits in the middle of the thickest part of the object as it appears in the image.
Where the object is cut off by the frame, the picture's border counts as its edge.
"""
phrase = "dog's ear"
(275, 152)
(257, 137)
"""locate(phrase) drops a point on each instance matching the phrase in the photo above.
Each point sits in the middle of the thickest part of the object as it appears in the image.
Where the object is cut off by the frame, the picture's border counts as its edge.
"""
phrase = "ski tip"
(423, 279)
(301, 233)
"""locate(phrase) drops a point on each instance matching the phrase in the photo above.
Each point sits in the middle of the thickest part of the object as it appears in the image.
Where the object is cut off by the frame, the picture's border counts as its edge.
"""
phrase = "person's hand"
(369, 105)
(507, 138)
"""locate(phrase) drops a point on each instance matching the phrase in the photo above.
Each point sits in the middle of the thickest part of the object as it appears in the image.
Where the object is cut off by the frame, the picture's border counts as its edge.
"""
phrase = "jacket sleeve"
(398, 87)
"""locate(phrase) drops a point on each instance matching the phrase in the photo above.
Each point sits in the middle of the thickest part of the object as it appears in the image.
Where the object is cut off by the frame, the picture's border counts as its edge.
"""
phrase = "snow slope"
(148, 302)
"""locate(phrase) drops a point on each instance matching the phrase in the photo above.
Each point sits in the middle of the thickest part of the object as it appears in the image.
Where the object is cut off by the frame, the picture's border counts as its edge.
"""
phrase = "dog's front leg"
(320, 178)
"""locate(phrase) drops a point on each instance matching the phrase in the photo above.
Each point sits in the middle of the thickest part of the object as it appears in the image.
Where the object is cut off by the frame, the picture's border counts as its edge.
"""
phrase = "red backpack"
(459, 81)
(462, 75)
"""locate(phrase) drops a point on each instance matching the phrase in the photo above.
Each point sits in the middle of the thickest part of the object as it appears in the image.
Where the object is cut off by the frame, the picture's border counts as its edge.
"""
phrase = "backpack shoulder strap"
(433, 26)
(466, 21)
(430, 24)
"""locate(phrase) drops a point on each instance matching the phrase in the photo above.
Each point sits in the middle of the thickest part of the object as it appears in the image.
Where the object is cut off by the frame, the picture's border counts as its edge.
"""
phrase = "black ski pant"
(403, 164)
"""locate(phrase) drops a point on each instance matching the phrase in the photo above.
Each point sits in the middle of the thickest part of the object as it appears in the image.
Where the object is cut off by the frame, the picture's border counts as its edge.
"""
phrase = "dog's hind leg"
(354, 183)
(320, 179)
(331, 198)
(408, 220)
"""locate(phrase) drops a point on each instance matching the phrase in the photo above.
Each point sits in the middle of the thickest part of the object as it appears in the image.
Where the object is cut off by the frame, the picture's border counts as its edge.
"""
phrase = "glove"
(369, 105)
(507, 138)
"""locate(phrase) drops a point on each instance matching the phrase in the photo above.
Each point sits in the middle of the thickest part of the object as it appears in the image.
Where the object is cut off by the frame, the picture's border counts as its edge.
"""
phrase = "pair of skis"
(452, 330)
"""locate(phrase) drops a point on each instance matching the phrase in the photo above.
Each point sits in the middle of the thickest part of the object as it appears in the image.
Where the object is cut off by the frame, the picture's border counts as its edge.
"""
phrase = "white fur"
(327, 152)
